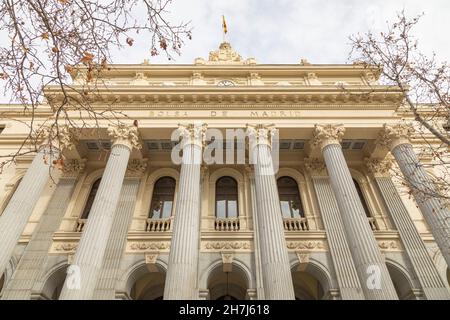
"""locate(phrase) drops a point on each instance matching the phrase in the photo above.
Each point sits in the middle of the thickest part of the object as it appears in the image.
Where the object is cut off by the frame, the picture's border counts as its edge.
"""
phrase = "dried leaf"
(130, 41)
(87, 58)
(44, 36)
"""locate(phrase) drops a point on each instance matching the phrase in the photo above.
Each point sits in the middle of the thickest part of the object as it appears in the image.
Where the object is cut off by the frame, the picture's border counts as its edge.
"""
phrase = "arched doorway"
(147, 283)
(230, 285)
(306, 286)
(310, 282)
(54, 284)
(401, 283)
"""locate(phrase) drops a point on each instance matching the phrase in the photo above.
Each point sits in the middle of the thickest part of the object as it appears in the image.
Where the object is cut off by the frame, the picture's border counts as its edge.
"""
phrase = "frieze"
(227, 245)
(148, 246)
(306, 245)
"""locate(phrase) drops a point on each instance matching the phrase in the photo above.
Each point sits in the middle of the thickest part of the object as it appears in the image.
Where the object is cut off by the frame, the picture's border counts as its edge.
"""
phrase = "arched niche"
(54, 282)
(401, 280)
(231, 285)
(146, 282)
(311, 281)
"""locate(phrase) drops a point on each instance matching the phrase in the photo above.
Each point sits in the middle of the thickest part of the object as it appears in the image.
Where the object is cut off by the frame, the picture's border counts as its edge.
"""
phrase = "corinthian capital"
(125, 135)
(378, 167)
(60, 136)
(193, 134)
(261, 134)
(393, 135)
(324, 135)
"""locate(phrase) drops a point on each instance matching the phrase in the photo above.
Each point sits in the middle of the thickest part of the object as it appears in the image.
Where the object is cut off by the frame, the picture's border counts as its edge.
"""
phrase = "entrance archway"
(231, 285)
(54, 284)
(147, 283)
(401, 283)
(310, 282)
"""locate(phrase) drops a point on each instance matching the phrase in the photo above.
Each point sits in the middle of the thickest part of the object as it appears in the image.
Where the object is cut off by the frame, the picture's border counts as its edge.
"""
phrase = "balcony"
(158, 225)
(80, 225)
(227, 224)
(295, 224)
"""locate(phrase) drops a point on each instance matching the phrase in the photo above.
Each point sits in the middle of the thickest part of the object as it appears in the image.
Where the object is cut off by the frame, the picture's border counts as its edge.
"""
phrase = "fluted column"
(182, 272)
(369, 263)
(257, 247)
(32, 263)
(435, 212)
(276, 271)
(432, 284)
(16, 214)
(91, 248)
(341, 257)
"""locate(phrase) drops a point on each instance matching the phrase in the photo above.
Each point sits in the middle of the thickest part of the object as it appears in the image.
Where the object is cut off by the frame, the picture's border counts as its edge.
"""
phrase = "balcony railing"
(158, 225)
(295, 224)
(80, 225)
(373, 224)
(230, 224)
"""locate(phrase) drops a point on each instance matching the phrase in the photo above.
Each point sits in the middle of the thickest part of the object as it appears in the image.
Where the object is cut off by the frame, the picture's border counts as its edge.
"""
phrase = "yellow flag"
(224, 25)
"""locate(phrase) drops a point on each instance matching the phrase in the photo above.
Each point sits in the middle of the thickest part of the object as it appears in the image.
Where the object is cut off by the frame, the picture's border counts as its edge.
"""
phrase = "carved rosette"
(193, 134)
(325, 135)
(316, 167)
(136, 167)
(73, 167)
(394, 135)
(125, 135)
(261, 134)
(379, 167)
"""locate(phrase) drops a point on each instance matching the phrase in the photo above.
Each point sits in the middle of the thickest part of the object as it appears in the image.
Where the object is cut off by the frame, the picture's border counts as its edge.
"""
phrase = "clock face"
(225, 83)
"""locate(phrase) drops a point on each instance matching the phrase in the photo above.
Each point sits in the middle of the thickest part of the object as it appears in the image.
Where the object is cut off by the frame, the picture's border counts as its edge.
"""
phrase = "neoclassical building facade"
(121, 220)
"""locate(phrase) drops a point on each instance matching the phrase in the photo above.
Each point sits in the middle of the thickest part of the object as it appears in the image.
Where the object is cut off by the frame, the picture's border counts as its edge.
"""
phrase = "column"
(32, 263)
(21, 205)
(108, 277)
(182, 272)
(276, 271)
(372, 271)
(432, 284)
(341, 257)
(91, 248)
(257, 247)
(436, 213)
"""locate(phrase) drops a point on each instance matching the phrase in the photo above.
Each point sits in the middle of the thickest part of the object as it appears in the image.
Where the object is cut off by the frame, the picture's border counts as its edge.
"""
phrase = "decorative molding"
(148, 246)
(227, 260)
(65, 247)
(315, 166)
(125, 135)
(306, 245)
(225, 55)
(324, 135)
(393, 135)
(378, 167)
(303, 259)
(389, 245)
(73, 167)
(150, 261)
(227, 245)
(136, 167)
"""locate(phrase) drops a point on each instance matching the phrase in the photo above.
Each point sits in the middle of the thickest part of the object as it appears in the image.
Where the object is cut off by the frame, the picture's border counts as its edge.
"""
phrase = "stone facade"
(354, 233)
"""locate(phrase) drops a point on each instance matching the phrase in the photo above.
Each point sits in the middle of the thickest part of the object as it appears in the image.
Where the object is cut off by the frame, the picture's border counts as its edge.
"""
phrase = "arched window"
(162, 198)
(290, 201)
(226, 198)
(361, 197)
(90, 199)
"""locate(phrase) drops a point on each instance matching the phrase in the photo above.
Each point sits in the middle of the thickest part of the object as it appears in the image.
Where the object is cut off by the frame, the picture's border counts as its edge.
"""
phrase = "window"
(90, 199)
(162, 198)
(290, 201)
(226, 198)
(361, 197)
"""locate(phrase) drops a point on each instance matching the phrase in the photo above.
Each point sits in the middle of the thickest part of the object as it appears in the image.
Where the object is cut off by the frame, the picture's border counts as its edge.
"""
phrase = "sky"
(285, 31)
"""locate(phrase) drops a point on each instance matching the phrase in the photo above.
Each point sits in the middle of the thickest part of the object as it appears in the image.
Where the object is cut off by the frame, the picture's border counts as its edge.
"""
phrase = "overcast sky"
(283, 31)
